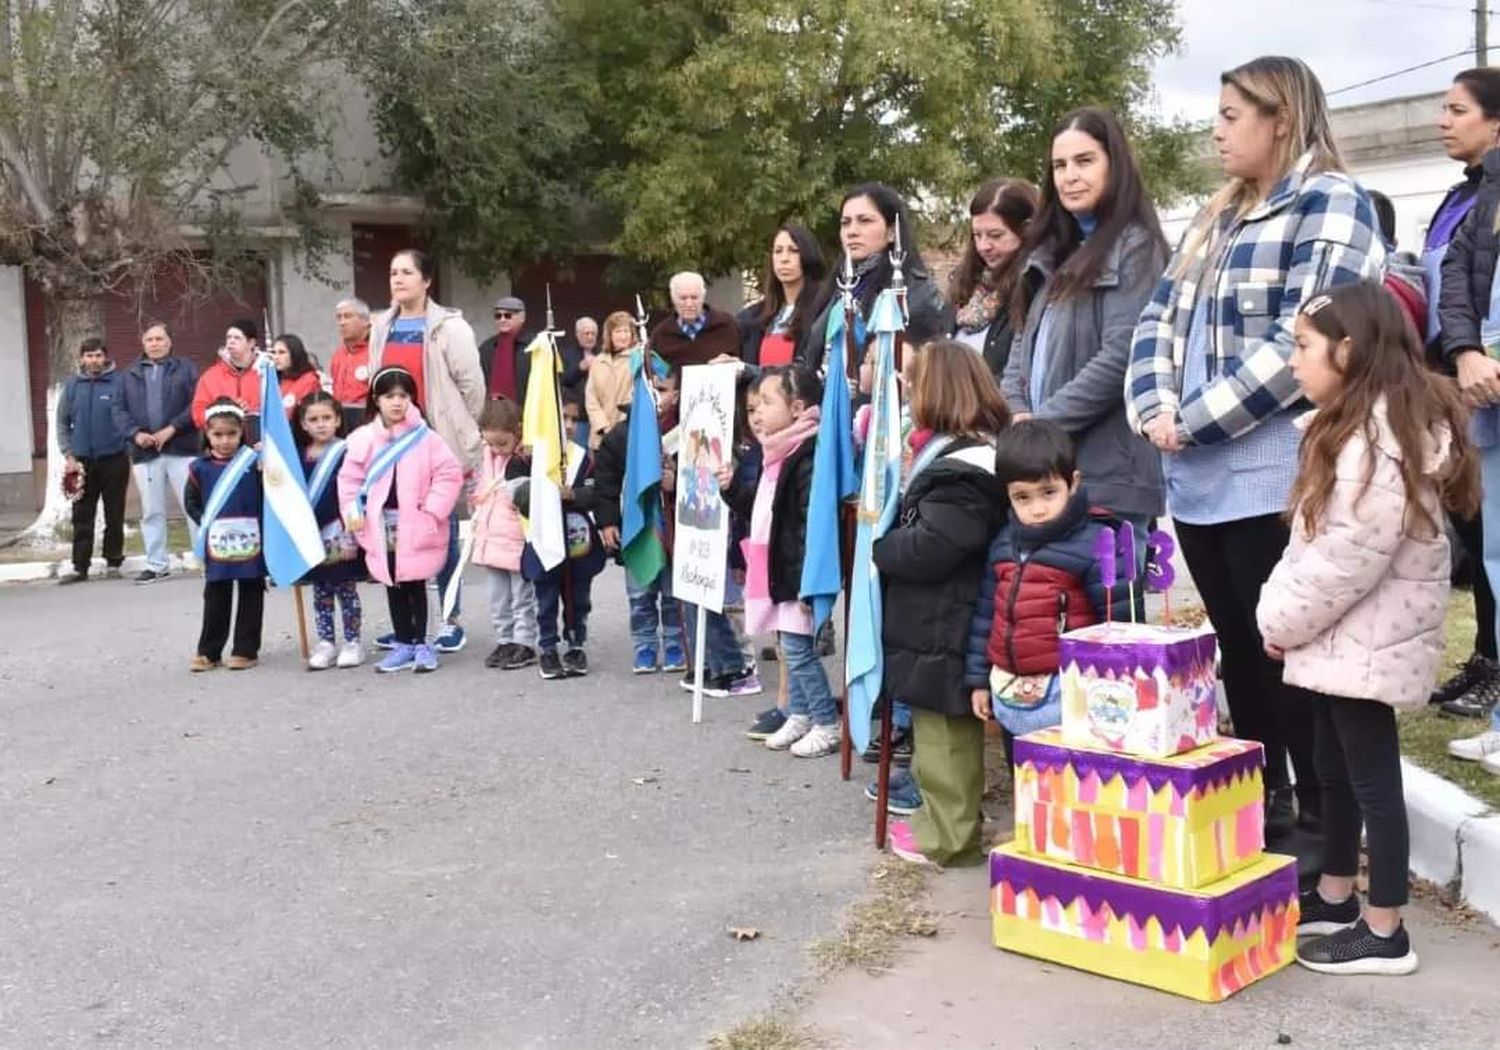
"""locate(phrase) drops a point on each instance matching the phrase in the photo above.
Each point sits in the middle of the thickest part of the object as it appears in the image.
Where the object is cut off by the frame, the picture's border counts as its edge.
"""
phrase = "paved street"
(281, 859)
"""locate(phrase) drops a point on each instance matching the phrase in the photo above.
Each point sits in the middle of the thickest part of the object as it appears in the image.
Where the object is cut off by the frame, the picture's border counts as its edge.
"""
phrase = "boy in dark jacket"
(96, 464)
(1043, 580)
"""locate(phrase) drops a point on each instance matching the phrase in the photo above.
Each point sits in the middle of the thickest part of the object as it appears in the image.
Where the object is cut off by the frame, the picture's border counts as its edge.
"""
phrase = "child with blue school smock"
(223, 497)
(319, 434)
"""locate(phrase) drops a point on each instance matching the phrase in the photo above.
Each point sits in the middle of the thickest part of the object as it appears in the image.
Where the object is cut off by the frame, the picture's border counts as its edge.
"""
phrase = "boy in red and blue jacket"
(1043, 580)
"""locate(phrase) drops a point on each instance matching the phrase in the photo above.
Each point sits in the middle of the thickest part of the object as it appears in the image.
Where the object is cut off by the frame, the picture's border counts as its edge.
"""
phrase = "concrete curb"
(31, 571)
(1455, 839)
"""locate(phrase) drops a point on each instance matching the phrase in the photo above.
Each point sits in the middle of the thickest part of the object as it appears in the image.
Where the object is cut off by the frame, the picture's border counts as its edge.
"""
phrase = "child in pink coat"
(398, 487)
(1355, 607)
(499, 537)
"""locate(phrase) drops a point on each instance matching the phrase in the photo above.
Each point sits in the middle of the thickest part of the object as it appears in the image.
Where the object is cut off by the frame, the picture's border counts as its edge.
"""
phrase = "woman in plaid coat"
(1209, 384)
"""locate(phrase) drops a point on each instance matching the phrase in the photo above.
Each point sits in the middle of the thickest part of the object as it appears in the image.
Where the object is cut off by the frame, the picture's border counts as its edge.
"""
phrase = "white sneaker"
(351, 655)
(322, 656)
(792, 730)
(1475, 748)
(819, 741)
(1491, 763)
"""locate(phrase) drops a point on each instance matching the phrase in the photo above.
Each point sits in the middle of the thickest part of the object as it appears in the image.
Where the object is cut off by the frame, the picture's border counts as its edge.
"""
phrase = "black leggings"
(1471, 534)
(1358, 756)
(1230, 562)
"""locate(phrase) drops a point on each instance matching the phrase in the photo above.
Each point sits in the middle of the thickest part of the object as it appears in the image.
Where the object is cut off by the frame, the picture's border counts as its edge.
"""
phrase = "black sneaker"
(1478, 702)
(551, 666)
(151, 576)
(500, 655)
(900, 748)
(521, 656)
(576, 663)
(716, 686)
(1358, 951)
(77, 577)
(1319, 918)
(1475, 670)
(766, 723)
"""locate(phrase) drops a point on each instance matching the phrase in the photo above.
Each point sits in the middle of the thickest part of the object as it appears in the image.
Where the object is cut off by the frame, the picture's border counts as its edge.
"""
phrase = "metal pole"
(1481, 32)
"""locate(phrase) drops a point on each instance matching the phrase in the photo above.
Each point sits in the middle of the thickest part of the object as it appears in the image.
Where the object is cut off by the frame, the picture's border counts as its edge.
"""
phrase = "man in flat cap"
(503, 355)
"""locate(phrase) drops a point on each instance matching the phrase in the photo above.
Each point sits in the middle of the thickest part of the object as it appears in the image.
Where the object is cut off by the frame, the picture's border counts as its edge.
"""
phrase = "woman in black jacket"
(983, 284)
(930, 563)
(776, 330)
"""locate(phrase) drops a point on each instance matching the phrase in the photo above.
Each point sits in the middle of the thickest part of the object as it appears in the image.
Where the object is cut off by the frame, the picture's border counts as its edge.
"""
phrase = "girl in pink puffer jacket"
(1355, 607)
(499, 537)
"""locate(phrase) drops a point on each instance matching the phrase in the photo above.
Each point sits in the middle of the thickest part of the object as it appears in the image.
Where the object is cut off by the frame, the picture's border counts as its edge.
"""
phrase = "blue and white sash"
(385, 461)
(324, 472)
(228, 481)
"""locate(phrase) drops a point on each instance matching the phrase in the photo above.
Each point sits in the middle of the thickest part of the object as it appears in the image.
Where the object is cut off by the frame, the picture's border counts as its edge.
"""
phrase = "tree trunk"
(70, 320)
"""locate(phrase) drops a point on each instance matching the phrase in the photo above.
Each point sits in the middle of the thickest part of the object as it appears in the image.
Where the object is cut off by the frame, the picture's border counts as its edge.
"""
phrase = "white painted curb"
(30, 571)
(1455, 838)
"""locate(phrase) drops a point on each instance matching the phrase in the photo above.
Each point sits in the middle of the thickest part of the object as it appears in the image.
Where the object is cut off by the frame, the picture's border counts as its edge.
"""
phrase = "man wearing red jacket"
(349, 366)
(233, 376)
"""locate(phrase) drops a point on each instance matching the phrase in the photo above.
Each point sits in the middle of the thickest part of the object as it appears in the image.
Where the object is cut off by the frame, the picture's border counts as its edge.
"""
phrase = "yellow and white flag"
(541, 430)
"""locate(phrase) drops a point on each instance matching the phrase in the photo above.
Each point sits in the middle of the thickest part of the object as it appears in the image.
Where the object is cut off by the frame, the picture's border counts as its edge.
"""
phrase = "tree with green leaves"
(719, 120)
(121, 122)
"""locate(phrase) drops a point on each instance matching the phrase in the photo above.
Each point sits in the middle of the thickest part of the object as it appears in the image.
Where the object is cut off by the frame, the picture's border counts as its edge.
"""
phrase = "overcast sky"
(1344, 41)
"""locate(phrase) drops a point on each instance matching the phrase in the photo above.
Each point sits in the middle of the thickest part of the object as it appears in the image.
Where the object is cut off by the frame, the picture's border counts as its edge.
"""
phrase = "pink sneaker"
(901, 842)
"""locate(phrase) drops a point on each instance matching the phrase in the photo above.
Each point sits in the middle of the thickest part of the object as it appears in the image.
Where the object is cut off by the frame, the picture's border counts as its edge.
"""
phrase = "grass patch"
(764, 1034)
(1425, 733)
(26, 550)
(876, 926)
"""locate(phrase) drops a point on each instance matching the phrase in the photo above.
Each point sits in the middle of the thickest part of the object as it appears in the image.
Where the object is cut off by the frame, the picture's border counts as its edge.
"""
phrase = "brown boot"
(240, 663)
(202, 663)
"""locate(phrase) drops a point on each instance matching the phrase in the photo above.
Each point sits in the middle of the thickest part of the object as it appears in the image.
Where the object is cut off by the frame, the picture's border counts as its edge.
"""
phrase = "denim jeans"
(807, 685)
(655, 618)
(152, 480)
(722, 652)
(572, 590)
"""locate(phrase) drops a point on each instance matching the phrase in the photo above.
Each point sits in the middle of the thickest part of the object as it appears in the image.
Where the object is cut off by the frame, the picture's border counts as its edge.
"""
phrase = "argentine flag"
(292, 542)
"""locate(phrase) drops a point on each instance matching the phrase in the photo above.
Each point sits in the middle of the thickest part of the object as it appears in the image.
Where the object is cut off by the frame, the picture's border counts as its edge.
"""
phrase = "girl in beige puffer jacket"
(1355, 608)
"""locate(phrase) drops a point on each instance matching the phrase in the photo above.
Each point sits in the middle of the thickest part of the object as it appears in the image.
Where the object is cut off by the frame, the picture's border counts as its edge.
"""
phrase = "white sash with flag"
(326, 470)
(383, 462)
(243, 460)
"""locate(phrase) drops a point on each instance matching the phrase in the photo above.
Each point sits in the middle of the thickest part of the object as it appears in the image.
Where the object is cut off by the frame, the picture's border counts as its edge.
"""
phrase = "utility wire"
(1400, 72)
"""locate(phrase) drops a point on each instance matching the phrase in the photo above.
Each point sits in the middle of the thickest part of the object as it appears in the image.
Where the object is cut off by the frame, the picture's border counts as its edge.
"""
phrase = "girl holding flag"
(223, 498)
(320, 429)
(398, 486)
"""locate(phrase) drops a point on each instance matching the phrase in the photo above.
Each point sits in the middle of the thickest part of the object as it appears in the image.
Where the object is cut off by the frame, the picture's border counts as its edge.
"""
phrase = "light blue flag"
(291, 539)
(642, 529)
(879, 497)
(833, 480)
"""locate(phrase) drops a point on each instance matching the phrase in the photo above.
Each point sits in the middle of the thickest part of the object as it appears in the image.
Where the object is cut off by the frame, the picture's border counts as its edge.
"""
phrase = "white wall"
(303, 304)
(477, 301)
(15, 389)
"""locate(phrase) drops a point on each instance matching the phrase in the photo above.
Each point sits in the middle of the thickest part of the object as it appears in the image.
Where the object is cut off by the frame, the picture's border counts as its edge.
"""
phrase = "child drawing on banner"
(319, 430)
(1356, 606)
(697, 482)
(223, 496)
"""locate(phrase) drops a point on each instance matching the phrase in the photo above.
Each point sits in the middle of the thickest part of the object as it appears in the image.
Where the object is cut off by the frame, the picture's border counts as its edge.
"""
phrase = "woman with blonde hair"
(608, 386)
(1209, 382)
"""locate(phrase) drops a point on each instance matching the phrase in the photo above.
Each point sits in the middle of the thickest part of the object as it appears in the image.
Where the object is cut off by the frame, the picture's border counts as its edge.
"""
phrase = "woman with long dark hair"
(1097, 248)
(296, 375)
(775, 329)
(1210, 384)
(870, 216)
(984, 282)
(1470, 126)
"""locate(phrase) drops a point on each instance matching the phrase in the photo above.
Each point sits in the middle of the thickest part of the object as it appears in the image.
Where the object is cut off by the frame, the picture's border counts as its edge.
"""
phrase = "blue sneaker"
(402, 657)
(903, 796)
(451, 640)
(672, 660)
(425, 659)
(386, 641)
(645, 661)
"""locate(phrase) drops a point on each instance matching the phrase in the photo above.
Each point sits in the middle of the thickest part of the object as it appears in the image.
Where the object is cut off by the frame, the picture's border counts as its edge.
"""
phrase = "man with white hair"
(695, 333)
(350, 364)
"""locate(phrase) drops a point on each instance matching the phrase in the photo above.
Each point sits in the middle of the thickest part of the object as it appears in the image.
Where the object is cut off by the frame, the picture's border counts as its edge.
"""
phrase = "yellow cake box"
(1184, 821)
(1206, 944)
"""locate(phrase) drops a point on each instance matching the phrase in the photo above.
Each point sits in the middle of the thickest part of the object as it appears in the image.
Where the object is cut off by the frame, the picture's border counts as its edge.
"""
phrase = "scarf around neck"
(778, 446)
(979, 312)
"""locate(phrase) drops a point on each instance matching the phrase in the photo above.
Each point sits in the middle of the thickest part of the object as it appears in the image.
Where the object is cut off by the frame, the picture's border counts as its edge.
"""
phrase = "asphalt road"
(473, 858)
